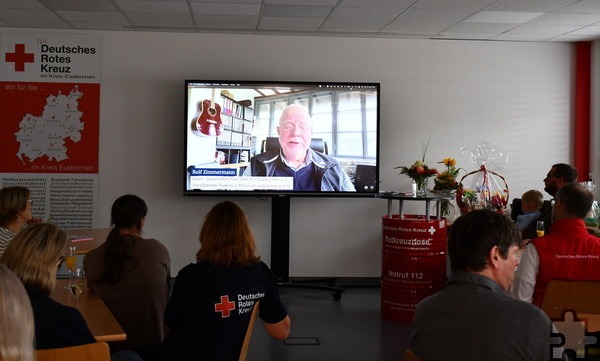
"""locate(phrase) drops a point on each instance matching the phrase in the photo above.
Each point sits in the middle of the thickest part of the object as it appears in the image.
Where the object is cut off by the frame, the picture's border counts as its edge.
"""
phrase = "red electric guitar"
(209, 121)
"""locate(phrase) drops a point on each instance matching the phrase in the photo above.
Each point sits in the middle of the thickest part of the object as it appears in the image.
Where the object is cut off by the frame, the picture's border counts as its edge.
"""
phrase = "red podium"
(414, 256)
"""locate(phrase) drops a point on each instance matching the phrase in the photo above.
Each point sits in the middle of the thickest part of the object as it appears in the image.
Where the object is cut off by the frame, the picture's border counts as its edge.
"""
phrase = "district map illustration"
(45, 134)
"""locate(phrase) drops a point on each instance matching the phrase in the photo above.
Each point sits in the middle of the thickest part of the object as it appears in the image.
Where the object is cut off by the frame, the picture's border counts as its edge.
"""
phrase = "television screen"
(281, 138)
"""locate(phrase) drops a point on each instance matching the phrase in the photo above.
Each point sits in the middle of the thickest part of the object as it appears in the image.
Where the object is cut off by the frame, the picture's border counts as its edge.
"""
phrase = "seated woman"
(212, 300)
(15, 212)
(132, 274)
(16, 328)
(34, 255)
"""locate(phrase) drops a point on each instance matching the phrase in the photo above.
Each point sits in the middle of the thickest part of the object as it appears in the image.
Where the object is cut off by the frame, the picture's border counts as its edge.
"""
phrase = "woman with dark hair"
(212, 300)
(131, 274)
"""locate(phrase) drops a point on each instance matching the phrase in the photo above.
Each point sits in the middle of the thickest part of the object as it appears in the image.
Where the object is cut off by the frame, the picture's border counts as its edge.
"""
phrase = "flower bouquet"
(446, 180)
(446, 183)
(420, 173)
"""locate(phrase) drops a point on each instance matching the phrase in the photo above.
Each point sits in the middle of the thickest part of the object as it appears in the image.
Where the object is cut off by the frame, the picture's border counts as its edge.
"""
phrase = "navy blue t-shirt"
(210, 308)
(57, 325)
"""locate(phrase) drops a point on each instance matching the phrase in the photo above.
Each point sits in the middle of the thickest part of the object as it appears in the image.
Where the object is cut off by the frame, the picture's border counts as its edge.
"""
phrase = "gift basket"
(484, 188)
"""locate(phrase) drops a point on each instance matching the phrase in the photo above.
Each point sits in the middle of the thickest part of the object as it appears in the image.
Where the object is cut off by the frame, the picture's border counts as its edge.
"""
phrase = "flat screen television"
(281, 138)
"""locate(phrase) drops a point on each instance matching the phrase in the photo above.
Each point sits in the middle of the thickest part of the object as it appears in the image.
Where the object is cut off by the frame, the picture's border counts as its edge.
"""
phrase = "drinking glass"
(76, 284)
(539, 228)
(71, 262)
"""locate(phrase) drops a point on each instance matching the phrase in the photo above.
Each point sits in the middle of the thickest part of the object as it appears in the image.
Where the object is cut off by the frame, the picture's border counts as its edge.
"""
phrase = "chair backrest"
(516, 208)
(316, 144)
(365, 177)
(410, 356)
(244, 351)
(98, 351)
(580, 296)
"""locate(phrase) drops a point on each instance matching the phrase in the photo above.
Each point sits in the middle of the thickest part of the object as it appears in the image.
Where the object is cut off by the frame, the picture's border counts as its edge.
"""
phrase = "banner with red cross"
(50, 122)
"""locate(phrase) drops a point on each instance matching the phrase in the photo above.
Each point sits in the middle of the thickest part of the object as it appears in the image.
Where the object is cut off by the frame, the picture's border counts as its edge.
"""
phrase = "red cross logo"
(225, 306)
(19, 57)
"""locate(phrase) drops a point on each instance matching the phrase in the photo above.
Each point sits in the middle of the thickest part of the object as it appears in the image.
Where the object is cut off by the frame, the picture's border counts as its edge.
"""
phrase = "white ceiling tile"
(153, 6)
(35, 23)
(520, 37)
(329, 3)
(20, 14)
(296, 11)
(225, 22)
(554, 30)
(280, 23)
(503, 17)
(567, 19)
(153, 19)
(542, 6)
(431, 15)
(353, 25)
(392, 4)
(548, 20)
(98, 25)
(430, 27)
(574, 38)
(92, 16)
(485, 29)
(464, 5)
(583, 6)
(229, 9)
(21, 4)
(79, 5)
(588, 30)
(227, 1)
(347, 12)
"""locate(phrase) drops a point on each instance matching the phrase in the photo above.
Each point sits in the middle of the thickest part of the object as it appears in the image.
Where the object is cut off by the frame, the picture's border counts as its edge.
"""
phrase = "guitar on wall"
(209, 121)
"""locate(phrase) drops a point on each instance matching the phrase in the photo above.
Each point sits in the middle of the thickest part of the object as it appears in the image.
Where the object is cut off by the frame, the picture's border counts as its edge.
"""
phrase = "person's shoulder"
(196, 269)
(40, 301)
(324, 160)
(154, 243)
(95, 252)
(528, 313)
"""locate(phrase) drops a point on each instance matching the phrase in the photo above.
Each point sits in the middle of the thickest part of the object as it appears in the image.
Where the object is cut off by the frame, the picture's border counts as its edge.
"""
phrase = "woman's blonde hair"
(226, 238)
(34, 254)
(17, 327)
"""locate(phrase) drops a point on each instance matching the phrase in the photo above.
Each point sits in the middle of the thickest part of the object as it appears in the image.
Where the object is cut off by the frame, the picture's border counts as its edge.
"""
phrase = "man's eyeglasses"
(290, 127)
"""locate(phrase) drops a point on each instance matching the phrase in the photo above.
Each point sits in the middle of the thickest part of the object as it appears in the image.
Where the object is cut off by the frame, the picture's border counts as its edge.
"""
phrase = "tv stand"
(280, 250)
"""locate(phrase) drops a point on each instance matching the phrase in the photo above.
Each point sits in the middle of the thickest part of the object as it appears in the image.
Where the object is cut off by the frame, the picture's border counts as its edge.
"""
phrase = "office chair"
(581, 296)
(578, 297)
(365, 177)
(516, 210)
(272, 144)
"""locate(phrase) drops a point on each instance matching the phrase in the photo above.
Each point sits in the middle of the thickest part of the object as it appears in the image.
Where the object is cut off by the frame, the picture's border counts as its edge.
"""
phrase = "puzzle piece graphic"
(573, 335)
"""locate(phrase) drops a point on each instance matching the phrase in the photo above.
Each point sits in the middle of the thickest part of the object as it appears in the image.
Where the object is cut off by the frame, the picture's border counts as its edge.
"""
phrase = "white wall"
(517, 95)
